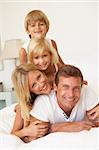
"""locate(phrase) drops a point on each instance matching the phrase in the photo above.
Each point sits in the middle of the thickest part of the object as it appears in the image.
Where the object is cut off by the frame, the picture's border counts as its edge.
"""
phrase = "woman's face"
(38, 83)
(42, 60)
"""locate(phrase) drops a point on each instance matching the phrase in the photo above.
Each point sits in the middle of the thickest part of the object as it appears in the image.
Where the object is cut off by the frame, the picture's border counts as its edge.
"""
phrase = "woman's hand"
(36, 130)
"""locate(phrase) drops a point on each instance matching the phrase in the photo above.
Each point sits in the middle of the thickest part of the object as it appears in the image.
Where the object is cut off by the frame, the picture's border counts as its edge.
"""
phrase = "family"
(53, 96)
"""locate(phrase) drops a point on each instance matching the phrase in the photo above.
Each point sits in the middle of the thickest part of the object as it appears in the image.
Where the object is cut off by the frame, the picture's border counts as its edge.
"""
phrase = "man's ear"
(54, 86)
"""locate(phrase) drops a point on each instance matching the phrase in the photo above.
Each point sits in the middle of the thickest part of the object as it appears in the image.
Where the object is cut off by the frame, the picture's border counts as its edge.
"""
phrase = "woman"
(28, 83)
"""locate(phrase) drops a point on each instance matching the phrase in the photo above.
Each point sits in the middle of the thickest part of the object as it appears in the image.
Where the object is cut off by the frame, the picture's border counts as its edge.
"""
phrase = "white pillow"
(84, 140)
(7, 116)
(10, 142)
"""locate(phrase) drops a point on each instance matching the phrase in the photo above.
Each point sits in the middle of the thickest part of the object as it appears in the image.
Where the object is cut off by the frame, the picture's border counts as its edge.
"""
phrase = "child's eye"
(36, 57)
(32, 25)
(45, 55)
(41, 23)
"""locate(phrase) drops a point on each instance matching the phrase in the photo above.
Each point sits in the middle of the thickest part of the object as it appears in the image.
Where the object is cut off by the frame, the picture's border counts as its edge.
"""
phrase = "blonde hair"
(39, 46)
(21, 86)
(36, 15)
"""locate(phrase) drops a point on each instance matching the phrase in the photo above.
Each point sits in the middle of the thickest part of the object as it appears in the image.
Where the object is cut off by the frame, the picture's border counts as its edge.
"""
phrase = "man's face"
(68, 92)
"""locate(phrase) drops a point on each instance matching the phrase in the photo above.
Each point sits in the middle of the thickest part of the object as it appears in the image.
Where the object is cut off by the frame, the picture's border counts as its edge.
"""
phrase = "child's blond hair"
(36, 15)
(39, 46)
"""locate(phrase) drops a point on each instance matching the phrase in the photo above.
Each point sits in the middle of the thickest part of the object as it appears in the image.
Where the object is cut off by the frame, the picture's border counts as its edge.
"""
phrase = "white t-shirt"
(25, 45)
(46, 108)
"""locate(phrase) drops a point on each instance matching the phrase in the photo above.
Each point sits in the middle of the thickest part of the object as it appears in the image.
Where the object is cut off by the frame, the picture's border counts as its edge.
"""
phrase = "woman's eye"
(39, 76)
(33, 85)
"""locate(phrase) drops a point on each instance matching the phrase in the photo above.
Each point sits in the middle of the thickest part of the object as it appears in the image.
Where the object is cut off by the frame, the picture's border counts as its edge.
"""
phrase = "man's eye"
(77, 89)
(65, 87)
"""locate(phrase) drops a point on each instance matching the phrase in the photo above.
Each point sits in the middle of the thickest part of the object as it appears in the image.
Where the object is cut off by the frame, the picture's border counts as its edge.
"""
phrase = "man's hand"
(71, 126)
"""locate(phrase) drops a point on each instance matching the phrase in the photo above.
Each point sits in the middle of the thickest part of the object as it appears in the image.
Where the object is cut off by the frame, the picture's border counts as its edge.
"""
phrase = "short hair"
(21, 86)
(39, 46)
(36, 15)
(68, 71)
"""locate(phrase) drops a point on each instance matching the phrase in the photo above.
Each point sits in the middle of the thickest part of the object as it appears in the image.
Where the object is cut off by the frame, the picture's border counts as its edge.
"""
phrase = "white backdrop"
(73, 25)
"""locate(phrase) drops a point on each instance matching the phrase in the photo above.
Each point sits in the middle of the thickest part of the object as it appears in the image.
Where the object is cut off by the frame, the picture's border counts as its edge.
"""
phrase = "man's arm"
(71, 126)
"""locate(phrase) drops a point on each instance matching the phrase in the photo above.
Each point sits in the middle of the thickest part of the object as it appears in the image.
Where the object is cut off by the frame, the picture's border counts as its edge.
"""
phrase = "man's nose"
(70, 93)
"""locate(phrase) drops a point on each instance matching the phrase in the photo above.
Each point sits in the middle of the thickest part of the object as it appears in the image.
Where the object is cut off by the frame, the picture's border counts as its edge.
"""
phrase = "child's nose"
(40, 61)
(37, 26)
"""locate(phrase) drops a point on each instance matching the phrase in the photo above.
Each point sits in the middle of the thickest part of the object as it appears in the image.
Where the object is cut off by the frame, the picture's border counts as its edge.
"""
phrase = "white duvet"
(85, 140)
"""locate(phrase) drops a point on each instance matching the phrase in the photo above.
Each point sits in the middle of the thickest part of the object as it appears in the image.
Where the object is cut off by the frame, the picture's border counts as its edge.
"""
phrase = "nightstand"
(7, 98)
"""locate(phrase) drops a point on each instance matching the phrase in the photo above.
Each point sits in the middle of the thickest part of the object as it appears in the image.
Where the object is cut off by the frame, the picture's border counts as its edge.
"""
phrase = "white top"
(46, 108)
(25, 45)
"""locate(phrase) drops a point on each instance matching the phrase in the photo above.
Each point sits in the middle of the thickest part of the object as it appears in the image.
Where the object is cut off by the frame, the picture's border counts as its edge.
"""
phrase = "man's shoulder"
(88, 90)
(89, 97)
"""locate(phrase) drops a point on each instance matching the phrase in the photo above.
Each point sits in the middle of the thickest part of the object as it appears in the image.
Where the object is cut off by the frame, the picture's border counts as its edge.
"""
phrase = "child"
(44, 56)
(37, 26)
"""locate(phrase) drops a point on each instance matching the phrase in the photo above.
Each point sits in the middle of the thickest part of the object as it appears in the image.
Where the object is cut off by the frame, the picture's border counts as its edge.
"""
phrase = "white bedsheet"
(85, 140)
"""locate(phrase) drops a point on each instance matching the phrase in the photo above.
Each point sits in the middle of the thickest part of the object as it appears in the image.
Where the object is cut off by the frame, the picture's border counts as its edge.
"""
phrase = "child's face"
(37, 29)
(38, 83)
(42, 60)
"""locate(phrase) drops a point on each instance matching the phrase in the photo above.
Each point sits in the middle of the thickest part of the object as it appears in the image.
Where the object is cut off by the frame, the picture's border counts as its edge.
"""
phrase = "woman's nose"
(39, 84)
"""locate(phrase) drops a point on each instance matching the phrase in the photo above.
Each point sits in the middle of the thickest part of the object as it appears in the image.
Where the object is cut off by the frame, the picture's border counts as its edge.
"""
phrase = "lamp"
(11, 49)
(10, 55)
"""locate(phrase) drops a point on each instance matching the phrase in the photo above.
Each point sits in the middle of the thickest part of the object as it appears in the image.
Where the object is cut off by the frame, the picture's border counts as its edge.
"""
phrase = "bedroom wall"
(73, 25)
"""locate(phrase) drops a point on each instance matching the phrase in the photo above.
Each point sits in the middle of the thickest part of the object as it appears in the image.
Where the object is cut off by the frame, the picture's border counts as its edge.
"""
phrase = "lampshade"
(11, 49)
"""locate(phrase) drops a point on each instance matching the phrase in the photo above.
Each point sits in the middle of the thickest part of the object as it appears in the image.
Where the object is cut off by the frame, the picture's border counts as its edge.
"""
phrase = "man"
(66, 107)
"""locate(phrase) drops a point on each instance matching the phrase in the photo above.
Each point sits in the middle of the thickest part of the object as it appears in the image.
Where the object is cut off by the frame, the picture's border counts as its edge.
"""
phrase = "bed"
(87, 140)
